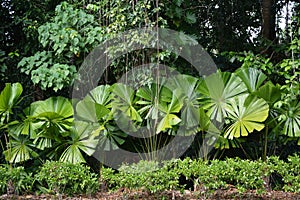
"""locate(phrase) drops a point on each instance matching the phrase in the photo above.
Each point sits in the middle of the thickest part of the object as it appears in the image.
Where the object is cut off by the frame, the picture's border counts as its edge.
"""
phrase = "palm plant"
(19, 148)
(47, 126)
(187, 90)
(232, 99)
(9, 99)
(96, 110)
(82, 138)
(246, 114)
(43, 125)
(217, 90)
(224, 107)
(292, 120)
(55, 116)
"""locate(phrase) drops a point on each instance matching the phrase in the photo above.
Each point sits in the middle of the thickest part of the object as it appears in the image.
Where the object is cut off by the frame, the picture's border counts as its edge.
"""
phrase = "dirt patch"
(125, 194)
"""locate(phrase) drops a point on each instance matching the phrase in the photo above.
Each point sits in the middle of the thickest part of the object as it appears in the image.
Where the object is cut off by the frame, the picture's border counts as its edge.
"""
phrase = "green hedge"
(66, 178)
(51, 178)
(207, 176)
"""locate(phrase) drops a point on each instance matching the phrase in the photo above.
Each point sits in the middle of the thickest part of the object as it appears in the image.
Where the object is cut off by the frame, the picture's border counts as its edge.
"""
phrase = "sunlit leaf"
(246, 118)
(218, 89)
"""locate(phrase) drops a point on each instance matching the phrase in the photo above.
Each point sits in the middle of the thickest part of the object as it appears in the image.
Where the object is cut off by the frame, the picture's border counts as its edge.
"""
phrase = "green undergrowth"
(196, 175)
(207, 176)
(51, 178)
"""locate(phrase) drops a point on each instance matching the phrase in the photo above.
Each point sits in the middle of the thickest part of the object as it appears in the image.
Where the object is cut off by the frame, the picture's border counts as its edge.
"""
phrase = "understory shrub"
(205, 176)
(145, 175)
(243, 174)
(66, 178)
(288, 171)
(16, 179)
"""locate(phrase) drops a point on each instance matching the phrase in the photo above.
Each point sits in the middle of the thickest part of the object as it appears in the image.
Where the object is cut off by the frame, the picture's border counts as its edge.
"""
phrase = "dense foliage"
(186, 106)
(204, 176)
(66, 178)
(249, 108)
(52, 178)
(58, 178)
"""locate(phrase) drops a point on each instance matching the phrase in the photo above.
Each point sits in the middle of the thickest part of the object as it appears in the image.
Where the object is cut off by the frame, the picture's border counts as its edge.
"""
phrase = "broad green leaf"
(124, 100)
(125, 124)
(186, 89)
(217, 90)
(169, 118)
(100, 95)
(90, 111)
(253, 78)
(59, 105)
(269, 92)
(150, 97)
(19, 149)
(246, 118)
(110, 138)
(28, 123)
(82, 140)
(292, 121)
(95, 105)
(9, 97)
(56, 117)
(186, 84)
(72, 154)
(42, 142)
(204, 121)
(167, 122)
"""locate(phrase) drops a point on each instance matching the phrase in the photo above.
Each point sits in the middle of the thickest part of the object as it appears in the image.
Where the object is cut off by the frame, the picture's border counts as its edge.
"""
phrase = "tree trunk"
(38, 93)
(268, 20)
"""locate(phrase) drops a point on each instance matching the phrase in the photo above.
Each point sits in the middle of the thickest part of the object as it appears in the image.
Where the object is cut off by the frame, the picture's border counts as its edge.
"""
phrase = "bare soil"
(124, 194)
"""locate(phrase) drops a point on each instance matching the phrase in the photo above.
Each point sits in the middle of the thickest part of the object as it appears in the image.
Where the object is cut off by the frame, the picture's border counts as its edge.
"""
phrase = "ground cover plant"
(202, 178)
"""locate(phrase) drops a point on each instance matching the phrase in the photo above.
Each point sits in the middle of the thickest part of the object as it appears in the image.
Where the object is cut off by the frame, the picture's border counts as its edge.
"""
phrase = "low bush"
(291, 177)
(154, 177)
(246, 174)
(243, 174)
(66, 178)
(288, 171)
(16, 180)
(206, 176)
(145, 175)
